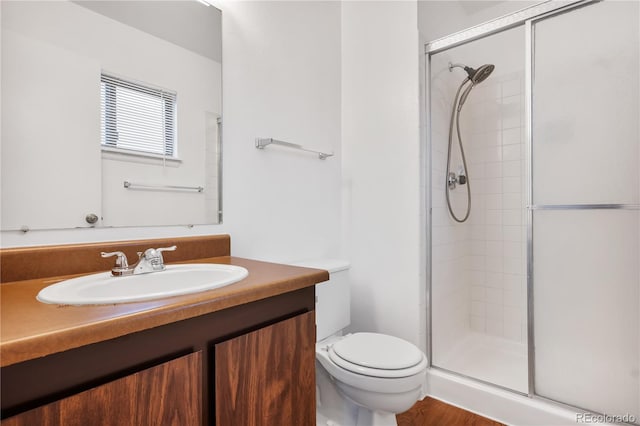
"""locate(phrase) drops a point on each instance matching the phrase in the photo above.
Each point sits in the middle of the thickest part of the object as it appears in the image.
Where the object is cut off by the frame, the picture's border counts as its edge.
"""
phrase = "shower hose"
(455, 117)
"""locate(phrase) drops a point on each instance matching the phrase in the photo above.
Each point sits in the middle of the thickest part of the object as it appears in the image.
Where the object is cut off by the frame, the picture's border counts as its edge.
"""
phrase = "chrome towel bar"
(261, 143)
(131, 185)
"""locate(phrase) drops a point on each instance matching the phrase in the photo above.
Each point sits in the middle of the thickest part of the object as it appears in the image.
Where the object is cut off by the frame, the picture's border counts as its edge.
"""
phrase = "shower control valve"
(454, 179)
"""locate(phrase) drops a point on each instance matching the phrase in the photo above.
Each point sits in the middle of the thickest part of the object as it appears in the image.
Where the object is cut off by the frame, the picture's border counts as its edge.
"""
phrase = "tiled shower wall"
(493, 120)
(479, 267)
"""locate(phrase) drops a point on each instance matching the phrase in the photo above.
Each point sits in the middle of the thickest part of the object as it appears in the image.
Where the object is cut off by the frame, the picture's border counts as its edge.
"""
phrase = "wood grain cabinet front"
(167, 394)
(267, 377)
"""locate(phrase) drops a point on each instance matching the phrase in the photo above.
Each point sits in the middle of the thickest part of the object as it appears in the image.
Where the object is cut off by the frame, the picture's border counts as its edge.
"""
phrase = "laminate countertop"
(30, 329)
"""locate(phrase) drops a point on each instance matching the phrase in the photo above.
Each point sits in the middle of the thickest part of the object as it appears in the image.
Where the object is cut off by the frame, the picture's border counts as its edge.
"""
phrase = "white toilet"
(363, 379)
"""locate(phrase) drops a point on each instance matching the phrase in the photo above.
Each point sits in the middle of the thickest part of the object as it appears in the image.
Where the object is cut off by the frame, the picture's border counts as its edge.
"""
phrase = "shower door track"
(501, 24)
(525, 17)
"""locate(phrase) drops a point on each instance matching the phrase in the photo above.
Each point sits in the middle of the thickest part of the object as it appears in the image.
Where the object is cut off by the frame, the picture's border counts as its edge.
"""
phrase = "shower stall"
(538, 290)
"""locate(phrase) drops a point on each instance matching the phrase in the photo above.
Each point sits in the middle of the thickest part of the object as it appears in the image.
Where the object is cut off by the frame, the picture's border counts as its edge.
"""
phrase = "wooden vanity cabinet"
(250, 365)
(167, 394)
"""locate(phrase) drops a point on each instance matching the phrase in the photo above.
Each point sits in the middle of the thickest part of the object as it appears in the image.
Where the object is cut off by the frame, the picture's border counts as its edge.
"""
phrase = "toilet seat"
(377, 355)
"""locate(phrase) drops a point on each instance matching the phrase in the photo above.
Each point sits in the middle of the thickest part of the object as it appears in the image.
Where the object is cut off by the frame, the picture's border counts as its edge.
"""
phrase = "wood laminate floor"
(431, 412)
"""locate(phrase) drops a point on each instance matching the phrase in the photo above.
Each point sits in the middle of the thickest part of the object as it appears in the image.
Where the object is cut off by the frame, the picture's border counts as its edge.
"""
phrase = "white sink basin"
(103, 288)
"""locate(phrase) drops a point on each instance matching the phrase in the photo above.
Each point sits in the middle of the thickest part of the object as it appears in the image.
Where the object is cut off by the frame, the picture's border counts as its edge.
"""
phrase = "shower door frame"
(527, 18)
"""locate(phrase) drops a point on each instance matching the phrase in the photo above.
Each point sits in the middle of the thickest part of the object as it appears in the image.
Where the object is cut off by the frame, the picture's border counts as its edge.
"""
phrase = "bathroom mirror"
(111, 112)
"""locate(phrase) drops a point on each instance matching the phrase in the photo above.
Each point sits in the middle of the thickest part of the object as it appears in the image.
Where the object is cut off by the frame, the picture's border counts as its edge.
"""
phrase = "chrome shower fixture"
(474, 76)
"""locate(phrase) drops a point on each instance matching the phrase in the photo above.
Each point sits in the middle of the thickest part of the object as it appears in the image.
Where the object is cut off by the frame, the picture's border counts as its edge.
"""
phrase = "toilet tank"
(333, 297)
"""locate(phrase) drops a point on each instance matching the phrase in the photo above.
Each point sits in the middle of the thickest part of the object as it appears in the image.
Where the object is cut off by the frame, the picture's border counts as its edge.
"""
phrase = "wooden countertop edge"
(162, 311)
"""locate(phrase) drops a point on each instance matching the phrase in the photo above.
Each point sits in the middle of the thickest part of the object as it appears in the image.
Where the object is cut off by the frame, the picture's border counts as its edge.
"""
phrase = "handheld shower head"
(475, 75)
(481, 74)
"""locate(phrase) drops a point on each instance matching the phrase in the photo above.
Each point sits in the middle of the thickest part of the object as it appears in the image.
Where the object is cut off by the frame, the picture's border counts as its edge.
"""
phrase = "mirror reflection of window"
(137, 117)
(69, 145)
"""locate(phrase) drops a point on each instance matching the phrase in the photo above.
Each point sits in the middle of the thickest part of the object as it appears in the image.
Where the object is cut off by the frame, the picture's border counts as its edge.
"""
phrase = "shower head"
(475, 75)
(481, 74)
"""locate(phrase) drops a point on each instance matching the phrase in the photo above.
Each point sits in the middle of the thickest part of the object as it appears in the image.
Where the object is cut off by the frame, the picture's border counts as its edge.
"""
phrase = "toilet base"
(374, 418)
(335, 409)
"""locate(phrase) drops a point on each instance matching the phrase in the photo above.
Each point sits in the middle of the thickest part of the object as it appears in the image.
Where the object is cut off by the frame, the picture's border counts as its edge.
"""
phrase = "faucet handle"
(172, 248)
(122, 265)
(161, 249)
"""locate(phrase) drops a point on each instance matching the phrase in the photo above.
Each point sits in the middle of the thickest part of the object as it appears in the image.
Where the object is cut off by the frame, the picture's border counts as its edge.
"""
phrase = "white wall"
(281, 78)
(381, 149)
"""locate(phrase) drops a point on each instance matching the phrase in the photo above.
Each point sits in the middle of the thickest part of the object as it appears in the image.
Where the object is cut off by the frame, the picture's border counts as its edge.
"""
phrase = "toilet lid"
(373, 351)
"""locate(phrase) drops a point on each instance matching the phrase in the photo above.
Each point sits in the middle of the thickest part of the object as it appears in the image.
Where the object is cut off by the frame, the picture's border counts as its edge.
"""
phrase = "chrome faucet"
(149, 261)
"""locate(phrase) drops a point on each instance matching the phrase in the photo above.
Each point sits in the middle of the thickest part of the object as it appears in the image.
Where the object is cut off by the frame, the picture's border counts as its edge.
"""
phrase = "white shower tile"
(512, 315)
(511, 217)
(511, 136)
(493, 170)
(493, 232)
(512, 87)
(476, 263)
(512, 185)
(494, 311)
(495, 296)
(494, 201)
(493, 138)
(493, 248)
(478, 277)
(512, 168)
(478, 185)
(477, 232)
(493, 217)
(494, 264)
(513, 331)
(511, 152)
(512, 249)
(476, 217)
(487, 91)
(493, 186)
(476, 170)
(477, 324)
(478, 293)
(494, 279)
(513, 265)
(494, 327)
(493, 153)
(512, 233)
(478, 309)
(492, 115)
(512, 297)
(477, 248)
(511, 112)
(512, 201)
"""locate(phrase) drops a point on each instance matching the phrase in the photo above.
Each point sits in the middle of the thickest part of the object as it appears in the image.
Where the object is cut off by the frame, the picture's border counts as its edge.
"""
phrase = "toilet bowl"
(382, 375)
(363, 379)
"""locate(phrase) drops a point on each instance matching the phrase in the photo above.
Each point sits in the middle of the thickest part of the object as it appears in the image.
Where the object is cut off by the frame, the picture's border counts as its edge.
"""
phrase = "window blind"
(137, 117)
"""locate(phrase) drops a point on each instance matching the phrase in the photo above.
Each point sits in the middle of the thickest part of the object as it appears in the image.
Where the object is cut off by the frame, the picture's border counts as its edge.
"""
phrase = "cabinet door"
(168, 394)
(267, 377)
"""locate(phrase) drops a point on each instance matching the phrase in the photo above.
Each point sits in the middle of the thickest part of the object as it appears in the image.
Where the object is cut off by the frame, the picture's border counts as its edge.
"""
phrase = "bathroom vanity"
(238, 355)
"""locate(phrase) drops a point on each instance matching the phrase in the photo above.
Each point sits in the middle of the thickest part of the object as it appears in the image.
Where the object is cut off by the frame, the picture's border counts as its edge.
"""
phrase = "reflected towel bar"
(261, 143)
(131, 185)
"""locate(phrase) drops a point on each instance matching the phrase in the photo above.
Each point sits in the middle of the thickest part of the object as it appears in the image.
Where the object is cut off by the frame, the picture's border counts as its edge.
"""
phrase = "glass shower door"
(478, 275)
(585, 208)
